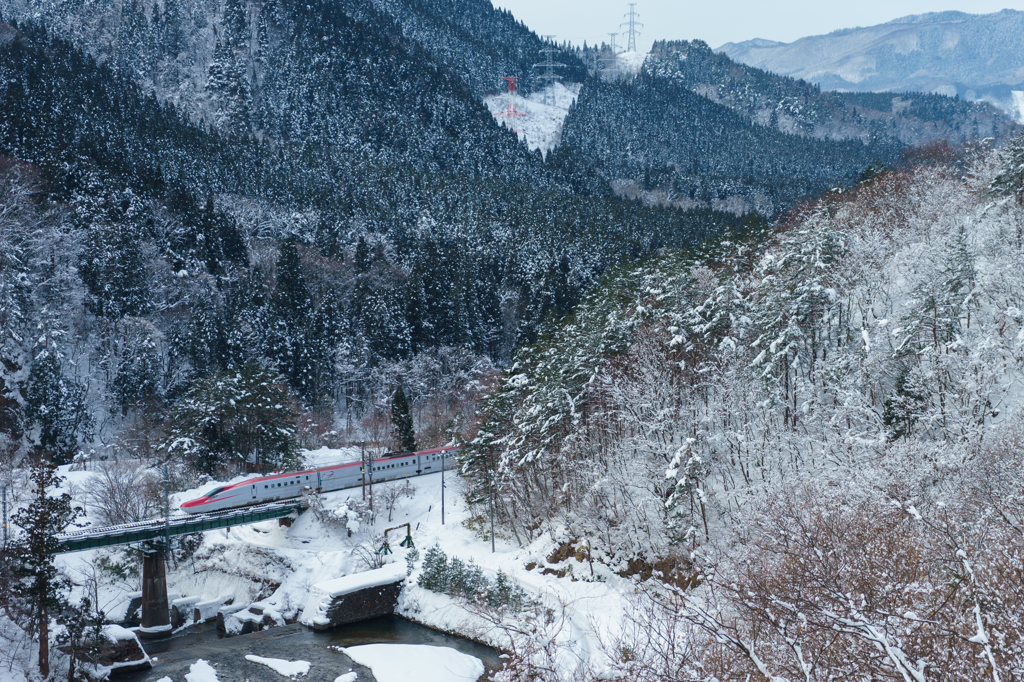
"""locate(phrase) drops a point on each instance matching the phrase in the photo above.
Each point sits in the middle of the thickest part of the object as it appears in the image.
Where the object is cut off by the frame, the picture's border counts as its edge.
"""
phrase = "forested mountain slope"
(807, 431)
(653, 137)
(318, 189)
(141, 233)
(796, 106)
(479, 42)
(401, 80)
(337, 73)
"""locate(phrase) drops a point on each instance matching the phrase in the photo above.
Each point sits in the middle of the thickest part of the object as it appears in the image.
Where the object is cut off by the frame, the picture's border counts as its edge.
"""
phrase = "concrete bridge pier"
(156, 612)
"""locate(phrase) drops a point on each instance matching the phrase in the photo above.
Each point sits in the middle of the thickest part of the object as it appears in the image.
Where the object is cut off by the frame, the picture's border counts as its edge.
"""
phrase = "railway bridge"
(155, 537)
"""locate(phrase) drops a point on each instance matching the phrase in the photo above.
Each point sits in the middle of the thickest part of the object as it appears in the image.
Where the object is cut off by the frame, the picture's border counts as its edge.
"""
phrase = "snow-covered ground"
(241, 562)
(539, 124)
(278, 566)
(630, 63)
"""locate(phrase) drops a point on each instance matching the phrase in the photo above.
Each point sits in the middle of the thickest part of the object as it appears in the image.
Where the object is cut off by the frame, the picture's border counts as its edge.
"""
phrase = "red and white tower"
(511, 108)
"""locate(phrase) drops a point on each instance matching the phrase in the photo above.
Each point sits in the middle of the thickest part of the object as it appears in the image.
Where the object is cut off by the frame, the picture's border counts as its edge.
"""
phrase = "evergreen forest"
(314, 195)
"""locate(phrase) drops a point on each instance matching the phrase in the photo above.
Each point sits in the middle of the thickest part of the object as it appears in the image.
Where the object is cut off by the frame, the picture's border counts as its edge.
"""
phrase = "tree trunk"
(44, 642)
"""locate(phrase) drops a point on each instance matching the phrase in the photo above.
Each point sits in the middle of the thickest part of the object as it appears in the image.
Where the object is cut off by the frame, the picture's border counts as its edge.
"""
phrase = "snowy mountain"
(653, 138)
(736, 368)
(977, 57)
(798, 107)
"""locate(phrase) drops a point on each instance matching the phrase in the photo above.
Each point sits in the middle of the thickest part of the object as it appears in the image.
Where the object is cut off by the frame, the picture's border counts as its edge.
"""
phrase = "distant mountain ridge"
(801, 108)
(976, 57)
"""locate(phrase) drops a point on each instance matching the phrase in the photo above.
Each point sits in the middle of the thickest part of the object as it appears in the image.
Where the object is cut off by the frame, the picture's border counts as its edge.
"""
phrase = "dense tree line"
(480, 42)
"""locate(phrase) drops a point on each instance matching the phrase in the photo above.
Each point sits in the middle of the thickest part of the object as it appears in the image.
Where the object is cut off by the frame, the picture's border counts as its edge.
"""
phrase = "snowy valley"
(726, 368)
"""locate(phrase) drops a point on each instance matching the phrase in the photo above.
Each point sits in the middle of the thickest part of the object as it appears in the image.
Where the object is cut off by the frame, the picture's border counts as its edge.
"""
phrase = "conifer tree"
(57, 406)
(401, 421)
(38, 583)
(1010, 179)
(242, 417)
(114, 270)
(82, 637)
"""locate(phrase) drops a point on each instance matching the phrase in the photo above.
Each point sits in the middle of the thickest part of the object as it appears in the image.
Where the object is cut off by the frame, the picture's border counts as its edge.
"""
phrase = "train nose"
(193, 503)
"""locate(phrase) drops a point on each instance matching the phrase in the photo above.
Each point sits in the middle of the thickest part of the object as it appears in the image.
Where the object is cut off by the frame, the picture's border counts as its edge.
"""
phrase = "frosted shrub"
(434, 574)
(123, 491)
(457, 579)
(411, 557)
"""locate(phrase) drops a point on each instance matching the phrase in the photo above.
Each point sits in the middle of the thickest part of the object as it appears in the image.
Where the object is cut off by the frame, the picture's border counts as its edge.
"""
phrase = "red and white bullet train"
(350, 475)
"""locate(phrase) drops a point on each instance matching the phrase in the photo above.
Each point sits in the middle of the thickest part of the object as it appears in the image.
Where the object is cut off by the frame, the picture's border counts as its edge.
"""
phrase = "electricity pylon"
(548, 76)
(608, 65)
(632, 24)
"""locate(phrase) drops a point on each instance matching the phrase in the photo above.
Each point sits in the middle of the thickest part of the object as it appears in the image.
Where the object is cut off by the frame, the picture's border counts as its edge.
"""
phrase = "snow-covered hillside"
(823, 421)
(276, 566)
(978, 57)
(541, 114)
(630, 63)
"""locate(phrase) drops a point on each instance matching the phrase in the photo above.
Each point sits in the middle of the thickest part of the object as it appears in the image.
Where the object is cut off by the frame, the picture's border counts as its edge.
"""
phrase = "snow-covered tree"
(401, 422)
(39, 584)
(242, 418)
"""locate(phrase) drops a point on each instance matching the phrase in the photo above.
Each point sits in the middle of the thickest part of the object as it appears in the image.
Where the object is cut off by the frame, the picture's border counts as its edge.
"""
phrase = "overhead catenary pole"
(442, 487)
(362, 460)
(5, 514)
(167, 510)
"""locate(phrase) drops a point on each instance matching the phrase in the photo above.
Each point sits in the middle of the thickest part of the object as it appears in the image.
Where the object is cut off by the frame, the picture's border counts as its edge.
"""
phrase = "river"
(174, 656)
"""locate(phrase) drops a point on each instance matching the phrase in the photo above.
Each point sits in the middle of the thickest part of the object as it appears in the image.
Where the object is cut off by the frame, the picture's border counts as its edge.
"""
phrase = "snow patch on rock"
(281, 666)
(201, 671)
(403, 662)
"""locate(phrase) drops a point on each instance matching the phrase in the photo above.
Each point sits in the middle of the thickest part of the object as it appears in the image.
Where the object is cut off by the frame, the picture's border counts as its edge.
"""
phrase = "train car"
(389, 467)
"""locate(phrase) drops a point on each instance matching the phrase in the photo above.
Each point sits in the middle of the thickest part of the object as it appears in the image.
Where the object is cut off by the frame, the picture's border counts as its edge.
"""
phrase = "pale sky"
(721, 21)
